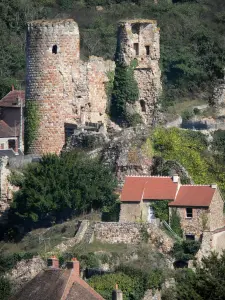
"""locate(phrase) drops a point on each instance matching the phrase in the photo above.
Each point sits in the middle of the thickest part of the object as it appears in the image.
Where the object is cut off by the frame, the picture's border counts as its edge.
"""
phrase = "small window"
(190, 237)
(189, 212)
(147, 49)
(54, 49)
(143, 107)
(136, 48)
(12, 144)
(135, 28)
(2, 146)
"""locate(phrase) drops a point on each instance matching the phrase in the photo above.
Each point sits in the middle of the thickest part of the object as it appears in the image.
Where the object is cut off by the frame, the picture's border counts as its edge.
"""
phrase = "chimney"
(117, 294)
(214, 186)
(176, 178)
(53, 262)
(12, 87)
(75, 265)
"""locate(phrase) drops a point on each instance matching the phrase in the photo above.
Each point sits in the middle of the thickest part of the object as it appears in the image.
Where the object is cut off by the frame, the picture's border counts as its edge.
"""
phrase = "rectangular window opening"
(147, 49)
(136, 49)
(189, 212)
(190, 237)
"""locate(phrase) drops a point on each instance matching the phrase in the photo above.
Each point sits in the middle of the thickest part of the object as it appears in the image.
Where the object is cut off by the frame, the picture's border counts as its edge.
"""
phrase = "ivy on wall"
(161, 209)
(31, 124)
(125, 91)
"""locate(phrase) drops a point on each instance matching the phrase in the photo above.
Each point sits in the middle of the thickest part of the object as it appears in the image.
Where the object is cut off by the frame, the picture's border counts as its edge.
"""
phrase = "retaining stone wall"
(132, 233)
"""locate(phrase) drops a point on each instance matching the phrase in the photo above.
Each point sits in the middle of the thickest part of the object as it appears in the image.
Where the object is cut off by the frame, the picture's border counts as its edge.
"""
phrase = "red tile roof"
(194, 195)
(5, 130)
(148, 188)
(11, 99)
(137, 188)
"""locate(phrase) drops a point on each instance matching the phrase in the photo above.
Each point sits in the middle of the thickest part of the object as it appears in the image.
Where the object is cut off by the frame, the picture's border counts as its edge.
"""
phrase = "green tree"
(57, 187)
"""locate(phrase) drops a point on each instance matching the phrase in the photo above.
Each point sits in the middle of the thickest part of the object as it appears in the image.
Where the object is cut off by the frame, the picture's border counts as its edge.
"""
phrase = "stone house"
(9, 138)
(200, 207)
(54, 283)
(11, 113)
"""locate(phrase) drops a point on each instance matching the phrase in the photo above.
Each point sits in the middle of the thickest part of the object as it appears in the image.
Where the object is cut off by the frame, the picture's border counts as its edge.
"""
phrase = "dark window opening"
(69, 130)
(136, 48)
(12, 144)
(54, 49)
(147, 49)
(143, 106)
(190, 237)
(135, 29)
(189, 212)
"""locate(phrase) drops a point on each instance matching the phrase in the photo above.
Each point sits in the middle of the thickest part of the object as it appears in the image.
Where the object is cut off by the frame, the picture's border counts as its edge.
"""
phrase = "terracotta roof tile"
(148, 188)
(194, 195)
(6, 130)
(11, 99)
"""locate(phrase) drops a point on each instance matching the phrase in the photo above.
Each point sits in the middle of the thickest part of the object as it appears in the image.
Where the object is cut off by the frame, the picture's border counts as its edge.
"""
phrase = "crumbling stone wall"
(132, 233)
(139, 40)
(216, 216)
(6, 189)
(65, 90)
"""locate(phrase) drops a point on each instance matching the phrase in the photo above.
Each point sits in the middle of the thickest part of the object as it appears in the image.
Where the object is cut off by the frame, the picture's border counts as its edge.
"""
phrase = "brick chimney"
(75, 265)
(53, 262)
(117, 294)
(13, 88)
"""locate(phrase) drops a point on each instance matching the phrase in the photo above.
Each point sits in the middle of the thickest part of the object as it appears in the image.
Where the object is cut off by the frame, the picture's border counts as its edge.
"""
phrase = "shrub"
(5, 288)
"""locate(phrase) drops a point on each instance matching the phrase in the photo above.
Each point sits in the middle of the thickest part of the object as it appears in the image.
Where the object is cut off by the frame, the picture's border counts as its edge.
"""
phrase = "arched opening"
(54, 49)
(143, 106)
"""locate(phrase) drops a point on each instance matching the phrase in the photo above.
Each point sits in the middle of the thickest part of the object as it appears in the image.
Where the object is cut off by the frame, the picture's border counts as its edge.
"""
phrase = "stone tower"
(52, 54)
(140, 40)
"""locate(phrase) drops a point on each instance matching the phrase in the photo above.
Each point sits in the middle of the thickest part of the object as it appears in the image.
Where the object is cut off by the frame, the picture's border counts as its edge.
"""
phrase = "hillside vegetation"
(192, 38)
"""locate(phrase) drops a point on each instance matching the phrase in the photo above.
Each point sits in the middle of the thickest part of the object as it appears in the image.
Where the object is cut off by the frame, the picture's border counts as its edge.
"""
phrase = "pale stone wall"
(6, 189)
(130, 211)
(140, 40)
(216, 216)
(132, 233)
(195, 225)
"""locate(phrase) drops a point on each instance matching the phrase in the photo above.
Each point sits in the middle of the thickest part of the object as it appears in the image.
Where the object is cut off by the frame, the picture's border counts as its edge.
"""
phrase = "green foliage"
(57, 187)
(161, 209)
(187, 147)
(144, 233)
(185, 250)
(8, 261)
(206, 283)
(125, 90)
(175, 222)
(5, 288)
(31, 124)
(105, 284)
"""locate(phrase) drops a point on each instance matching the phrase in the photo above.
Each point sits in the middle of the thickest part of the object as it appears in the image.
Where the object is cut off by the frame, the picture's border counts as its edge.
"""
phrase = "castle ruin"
(63, 92)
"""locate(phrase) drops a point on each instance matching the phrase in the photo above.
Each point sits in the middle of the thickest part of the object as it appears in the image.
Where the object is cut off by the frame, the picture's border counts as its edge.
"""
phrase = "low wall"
(132, 233)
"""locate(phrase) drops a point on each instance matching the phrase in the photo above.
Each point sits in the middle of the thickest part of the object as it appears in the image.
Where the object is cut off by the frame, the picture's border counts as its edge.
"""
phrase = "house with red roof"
(12, 112)
(9, 138)
(200, 207)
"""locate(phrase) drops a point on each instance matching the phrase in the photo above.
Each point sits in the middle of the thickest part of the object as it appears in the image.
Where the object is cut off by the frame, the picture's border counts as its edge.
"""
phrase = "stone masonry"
(69, 92)
(140, 40)
(66, 90)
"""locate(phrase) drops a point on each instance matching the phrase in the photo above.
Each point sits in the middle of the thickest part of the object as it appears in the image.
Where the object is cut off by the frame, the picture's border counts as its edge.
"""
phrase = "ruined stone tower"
(61, 90)
(52, 53)
(140, 40)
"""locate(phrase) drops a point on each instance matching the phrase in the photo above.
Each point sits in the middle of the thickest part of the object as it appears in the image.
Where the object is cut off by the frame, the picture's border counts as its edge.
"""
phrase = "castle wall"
(52, 52)
(140, 40)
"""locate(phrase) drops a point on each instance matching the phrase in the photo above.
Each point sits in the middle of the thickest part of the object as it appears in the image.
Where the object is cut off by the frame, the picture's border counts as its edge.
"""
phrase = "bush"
(185, 250)
(58, 187)
(175, 222)
(5, 288)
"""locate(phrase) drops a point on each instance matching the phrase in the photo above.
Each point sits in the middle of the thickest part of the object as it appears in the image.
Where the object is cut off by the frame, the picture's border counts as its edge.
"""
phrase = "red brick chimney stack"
(75, 265)
(53, 262)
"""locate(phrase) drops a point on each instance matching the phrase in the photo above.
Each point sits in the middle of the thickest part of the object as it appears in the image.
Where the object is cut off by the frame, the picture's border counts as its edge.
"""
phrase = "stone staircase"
(89, 234)
(83, 228)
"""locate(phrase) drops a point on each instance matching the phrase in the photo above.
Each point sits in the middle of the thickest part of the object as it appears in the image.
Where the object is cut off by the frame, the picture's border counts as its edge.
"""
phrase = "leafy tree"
(57, 187)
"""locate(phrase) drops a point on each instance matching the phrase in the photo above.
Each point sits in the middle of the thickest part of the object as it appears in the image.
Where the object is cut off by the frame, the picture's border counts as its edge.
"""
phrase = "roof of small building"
(137, 188)
(50, 284)
(5, 130)
(194, 195)
(11, 99)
